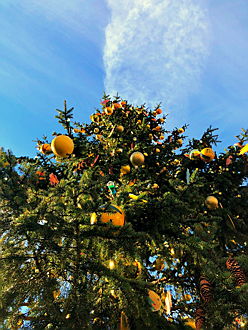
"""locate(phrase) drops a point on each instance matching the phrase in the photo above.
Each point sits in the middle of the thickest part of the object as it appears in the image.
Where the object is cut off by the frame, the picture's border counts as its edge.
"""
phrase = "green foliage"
(55, 261)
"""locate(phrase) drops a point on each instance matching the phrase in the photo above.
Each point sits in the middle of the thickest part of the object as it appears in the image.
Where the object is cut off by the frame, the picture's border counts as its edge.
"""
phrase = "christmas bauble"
(114, 215)
(211, 202)
(62, 146)
(119, 128)
(137, 158)
(45, 149)
(207, 154)
(154, 300)
(109, 111)
(194, 154)
(125, 169)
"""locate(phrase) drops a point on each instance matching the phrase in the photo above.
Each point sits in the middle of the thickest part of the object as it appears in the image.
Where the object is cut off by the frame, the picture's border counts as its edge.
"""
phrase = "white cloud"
(155, 50)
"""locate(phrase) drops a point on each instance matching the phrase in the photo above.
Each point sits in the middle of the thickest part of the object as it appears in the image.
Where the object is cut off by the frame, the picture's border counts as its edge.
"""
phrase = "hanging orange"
(154, 300)
(115, 215)
(62, 146)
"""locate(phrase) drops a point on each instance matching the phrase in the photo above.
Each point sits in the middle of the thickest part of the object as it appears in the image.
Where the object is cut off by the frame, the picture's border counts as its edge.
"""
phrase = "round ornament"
(154, 301)
(211, 202)
(125, 169)
(62, 146)
(119, 128)
(137, 158)
(194, 154)
(207, 155)
(114, 215)
(45, 149)
(109, 111)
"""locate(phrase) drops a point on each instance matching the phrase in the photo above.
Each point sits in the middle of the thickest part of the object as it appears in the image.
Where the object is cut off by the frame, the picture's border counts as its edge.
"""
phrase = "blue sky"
(189, 54)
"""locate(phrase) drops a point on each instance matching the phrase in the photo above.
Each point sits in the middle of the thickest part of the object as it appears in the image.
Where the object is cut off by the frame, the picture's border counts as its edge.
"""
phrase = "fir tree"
(121, 223)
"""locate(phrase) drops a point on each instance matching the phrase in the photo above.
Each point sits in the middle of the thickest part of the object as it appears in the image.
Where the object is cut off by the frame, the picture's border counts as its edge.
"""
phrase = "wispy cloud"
(155, 50)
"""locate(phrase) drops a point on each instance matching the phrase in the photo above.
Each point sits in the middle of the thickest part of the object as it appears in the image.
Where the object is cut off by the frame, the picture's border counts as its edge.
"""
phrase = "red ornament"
(53, 179)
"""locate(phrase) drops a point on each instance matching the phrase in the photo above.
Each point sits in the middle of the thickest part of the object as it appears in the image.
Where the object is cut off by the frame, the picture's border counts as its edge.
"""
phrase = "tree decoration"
(244, 149)
(137, 158)
(114, 215)
(111, 187)
(207, 155)
(45, 149)
(119, 128)
(194, 154)
(154, 300)
(62, 146)
(211, 202)
(62, 227)
(125, 169)
(53, 179)
(236, 271)
(206, 291)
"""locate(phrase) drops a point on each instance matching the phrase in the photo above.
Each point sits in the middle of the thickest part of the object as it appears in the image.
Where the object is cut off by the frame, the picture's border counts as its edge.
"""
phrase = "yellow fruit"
(116, 216)
(62, 146)
(125, 169)
(211, 202)
(119, 128)
(180, 130)
(207, 155)
(180, 141)
(157, 150)
(154, 300)
(137, 158)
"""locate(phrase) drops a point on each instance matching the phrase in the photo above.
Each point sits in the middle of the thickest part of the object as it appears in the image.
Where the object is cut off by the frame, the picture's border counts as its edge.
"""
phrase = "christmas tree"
(122, 224)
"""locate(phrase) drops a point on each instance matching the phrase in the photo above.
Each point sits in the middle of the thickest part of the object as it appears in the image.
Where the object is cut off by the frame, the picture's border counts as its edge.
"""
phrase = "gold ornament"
(109, 111)
(93, 218)
(207, 155)
(154, 300)
(119, 128)
(125, 169)
(194, 154)
(45, 149)
(116, 216)
(244, 149)
(137, 158)
(211, 202)
(62, 146)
